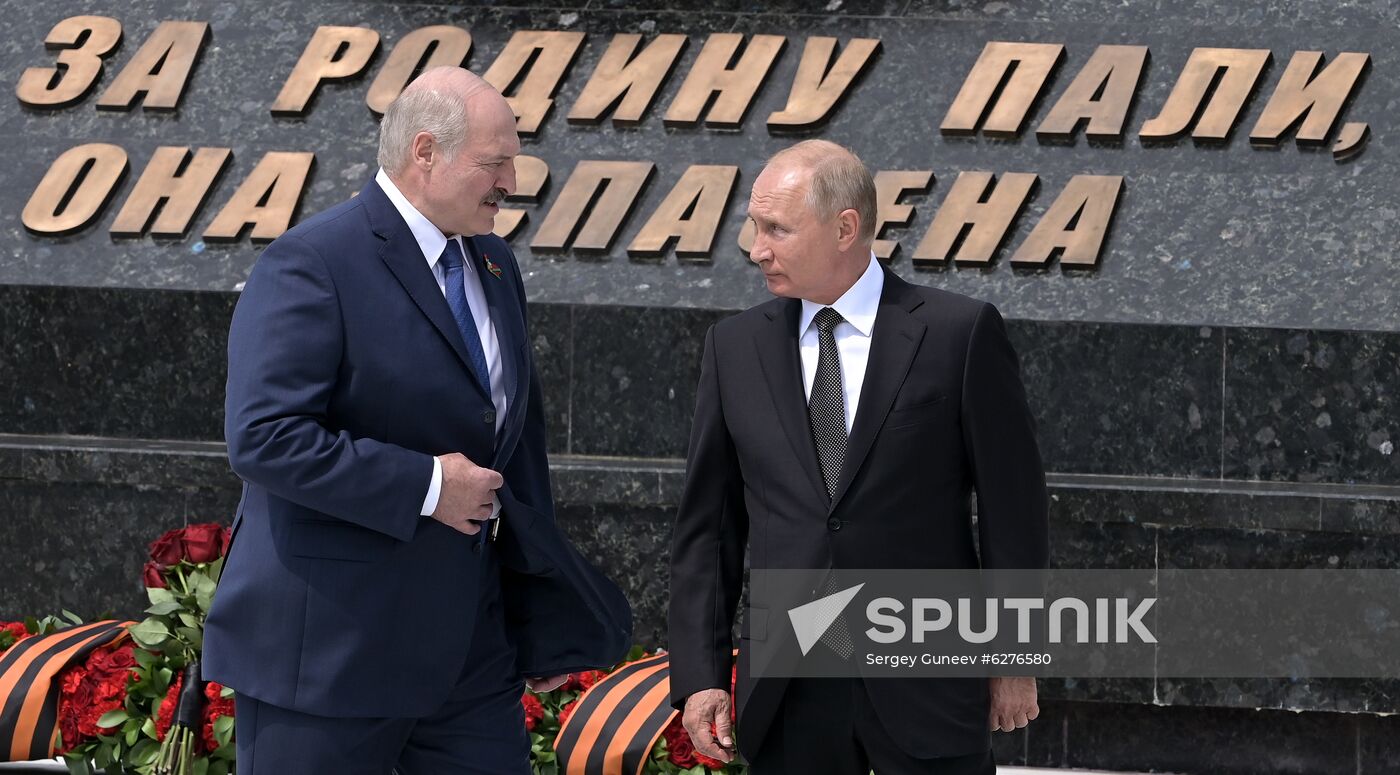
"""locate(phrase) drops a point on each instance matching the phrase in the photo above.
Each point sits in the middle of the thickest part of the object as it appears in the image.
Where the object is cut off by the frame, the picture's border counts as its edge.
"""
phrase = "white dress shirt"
(857, 306)
(432, 241)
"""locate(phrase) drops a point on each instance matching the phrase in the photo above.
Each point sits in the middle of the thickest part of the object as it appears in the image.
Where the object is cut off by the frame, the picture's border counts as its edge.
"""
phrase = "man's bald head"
(839, 181)
(439, 102)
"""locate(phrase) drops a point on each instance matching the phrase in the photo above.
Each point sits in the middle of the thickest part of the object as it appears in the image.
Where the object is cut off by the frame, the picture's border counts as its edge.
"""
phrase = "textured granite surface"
(1225, 236)
(1116, 399)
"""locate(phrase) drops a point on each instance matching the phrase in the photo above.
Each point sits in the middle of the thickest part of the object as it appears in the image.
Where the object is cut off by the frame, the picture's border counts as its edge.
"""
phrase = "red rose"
(566, 711)
(16, 629)
(152, 577)
(169, 549)
(113, 665)
(534, 710)
(203, 543)
(679, 749)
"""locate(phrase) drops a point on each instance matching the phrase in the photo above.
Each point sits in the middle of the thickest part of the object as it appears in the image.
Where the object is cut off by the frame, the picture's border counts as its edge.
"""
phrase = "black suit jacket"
(942, 413)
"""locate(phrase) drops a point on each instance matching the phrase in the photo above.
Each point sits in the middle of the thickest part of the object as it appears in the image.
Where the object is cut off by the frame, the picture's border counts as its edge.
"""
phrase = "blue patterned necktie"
(462, 312)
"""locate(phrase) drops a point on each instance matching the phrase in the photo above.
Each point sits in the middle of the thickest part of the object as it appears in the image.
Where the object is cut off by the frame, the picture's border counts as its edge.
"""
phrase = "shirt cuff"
(434, 490)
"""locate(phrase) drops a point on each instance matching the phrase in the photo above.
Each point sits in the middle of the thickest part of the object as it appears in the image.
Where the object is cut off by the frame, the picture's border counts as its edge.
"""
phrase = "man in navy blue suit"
(396, 576)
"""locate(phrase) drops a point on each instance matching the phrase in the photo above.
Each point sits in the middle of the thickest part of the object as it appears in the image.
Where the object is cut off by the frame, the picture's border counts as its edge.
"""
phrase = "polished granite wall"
(1217, 234)
(1197, 448)
(1219, 393)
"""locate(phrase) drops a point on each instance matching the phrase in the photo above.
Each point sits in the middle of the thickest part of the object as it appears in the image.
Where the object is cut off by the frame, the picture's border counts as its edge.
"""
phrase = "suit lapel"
(400, 252)
(780, 361)
(508, 320)
(894, 340)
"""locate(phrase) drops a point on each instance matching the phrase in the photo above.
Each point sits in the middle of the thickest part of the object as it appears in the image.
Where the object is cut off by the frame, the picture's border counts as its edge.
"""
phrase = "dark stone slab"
(80, 547)
(213, 504)
(1312, 406)
(1370, 515)
(114, 363)
(1200, 13)
(174, 469)
(11, 463)
(632, 546)
(551, 340)
(576, 485)
(1156, 410)
(1202, 548)
(1092, 689)
(635, 371)
(1380, 745)
(1229, 236)
(1343, 695)
(1144, 738)
(1180, 508)
(1105, 546)
(837, 8)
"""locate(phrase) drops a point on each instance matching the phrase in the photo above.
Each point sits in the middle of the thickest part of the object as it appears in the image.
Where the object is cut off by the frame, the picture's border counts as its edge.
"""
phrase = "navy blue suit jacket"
(346, 375)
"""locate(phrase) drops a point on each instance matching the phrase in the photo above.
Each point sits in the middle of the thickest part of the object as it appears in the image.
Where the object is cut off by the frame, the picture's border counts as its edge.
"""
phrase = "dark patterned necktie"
(826, 408)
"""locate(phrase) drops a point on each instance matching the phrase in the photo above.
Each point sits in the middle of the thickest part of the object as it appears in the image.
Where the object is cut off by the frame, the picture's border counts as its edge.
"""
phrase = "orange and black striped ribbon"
(615, 724)
(28, 692)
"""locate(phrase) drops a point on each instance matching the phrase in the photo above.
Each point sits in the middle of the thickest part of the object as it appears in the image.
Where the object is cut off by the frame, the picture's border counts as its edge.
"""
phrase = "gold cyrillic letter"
(1016, 73)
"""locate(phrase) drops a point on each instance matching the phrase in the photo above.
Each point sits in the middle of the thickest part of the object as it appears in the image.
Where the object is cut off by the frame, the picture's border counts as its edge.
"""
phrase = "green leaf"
(218, 767)
(165, 676)
(131, 735)
(191, 635)
(144, 753)
(112, 718)
(151, 632)
(226, 692)
(102, 757)
(201, 766)
(72, 617)
(189, 620)
(165, 609)
(203, 590)
(159, 595)
(223, 729)
(144, 658)
(77, 764)
(149, 728)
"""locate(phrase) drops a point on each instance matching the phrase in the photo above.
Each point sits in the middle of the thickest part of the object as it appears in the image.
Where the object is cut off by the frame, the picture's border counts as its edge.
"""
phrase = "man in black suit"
(846, 425)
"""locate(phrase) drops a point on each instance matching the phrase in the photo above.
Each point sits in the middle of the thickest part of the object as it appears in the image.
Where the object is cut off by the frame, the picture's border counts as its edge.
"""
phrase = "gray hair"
(840, 181)
(442, 114)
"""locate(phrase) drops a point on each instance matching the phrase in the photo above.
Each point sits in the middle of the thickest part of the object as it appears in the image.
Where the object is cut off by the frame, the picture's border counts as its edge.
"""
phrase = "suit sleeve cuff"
(430, 502)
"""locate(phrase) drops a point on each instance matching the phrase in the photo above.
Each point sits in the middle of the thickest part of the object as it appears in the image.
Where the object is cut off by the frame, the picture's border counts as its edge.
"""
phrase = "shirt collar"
(430, 238)
(857, 305)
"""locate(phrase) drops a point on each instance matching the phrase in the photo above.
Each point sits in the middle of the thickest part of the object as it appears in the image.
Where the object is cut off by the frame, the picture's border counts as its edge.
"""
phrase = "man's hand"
(542, 685)
(710, 706)
(466, 493)
(1013, 703)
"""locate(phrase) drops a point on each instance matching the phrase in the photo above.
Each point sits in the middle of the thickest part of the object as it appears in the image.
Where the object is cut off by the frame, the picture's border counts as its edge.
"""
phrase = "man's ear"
(847, 228)
(423, 152)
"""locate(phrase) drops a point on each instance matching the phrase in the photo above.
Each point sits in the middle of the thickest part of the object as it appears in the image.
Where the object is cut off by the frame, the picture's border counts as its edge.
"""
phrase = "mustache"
(497, 195)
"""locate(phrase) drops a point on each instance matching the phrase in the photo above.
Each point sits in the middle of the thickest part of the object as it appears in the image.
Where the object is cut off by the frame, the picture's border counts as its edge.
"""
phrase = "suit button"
(489, 416)
(834, 524)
